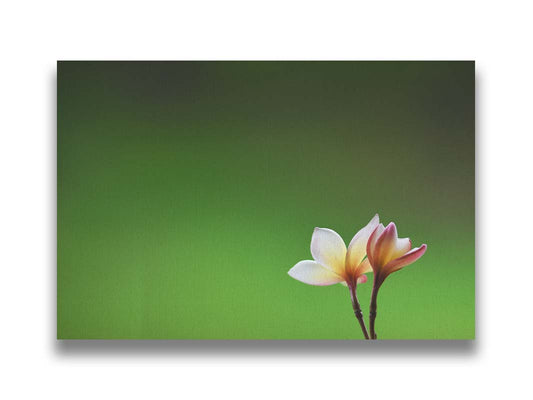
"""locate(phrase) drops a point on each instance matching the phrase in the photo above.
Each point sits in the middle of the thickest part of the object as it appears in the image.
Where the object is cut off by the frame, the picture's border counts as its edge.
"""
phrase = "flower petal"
(313, 273)
(408, 258)
(371, 244)
(328, 249)
(401, 247)
(363, 268)
(362, 279)
(385, 246)
(357, 247)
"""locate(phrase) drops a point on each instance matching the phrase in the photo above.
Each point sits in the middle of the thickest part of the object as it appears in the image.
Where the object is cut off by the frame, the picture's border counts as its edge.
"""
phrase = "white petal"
(328, 249)
(402, 246)
(357, 247)
(313, 273)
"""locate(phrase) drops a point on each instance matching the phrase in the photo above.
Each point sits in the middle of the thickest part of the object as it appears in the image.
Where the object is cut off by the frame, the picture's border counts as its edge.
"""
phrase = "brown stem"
(373, 309)
(357, 308)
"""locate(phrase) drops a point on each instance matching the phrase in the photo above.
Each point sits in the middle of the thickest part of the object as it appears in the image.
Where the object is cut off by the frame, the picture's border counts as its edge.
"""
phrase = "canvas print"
(266, 200)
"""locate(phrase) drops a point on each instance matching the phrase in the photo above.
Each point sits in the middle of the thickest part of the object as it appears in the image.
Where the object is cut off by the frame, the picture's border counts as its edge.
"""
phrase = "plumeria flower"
(333, 262)
(387, 253)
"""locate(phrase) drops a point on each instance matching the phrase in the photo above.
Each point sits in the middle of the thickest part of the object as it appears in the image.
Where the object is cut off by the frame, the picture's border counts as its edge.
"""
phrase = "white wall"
(33, 35)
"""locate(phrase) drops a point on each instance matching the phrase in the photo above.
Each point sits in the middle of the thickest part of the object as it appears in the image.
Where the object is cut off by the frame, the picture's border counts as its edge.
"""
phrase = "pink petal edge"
(370, 248)
(408, 258)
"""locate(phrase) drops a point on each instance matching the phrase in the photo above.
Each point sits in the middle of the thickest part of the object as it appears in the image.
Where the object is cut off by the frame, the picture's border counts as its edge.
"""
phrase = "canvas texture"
(186, 192)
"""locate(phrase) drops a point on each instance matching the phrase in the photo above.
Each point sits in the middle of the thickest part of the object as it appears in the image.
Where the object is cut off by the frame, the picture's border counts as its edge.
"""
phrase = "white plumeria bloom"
(333, 262)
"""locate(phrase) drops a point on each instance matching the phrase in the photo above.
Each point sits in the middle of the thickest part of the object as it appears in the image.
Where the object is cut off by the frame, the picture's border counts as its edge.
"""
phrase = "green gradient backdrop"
(187, 190)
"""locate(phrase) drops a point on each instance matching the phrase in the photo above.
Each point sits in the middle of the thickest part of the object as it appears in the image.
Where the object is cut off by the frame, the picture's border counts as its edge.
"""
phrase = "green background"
(187, 190)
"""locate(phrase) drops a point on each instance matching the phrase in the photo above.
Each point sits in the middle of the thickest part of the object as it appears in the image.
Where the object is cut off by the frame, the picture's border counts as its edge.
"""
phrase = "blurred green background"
(187, 190)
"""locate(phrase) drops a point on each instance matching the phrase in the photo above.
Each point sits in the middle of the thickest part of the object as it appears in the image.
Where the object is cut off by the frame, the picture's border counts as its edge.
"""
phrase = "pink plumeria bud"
(387, 253)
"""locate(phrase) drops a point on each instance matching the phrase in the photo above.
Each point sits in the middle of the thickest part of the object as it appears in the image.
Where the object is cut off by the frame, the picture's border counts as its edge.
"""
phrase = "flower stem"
(373, 310)
(357, 308)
